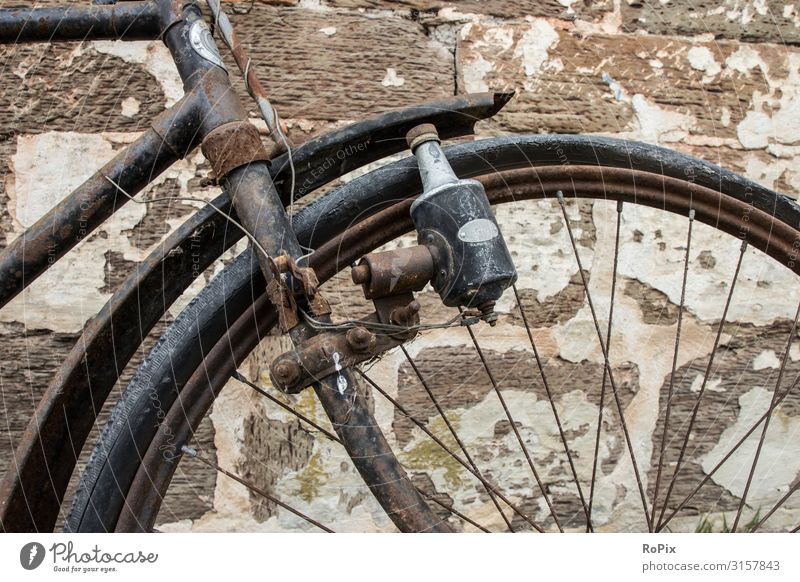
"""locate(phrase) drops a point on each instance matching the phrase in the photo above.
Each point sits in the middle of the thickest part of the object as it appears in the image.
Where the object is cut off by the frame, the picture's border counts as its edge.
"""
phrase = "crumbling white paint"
(711, 386)
(744, 59)
(777, 460)
(755, 130)
(499, 38)
(474, 76)
(155, 58)
(535, 45)
(130, 107)
(701, 59)
(493, 40)
(45, 169)
(660, 125)
(392, 79)
(771, 118)
(766, 359)
(706, 287)
(725, 116)
(539, 243)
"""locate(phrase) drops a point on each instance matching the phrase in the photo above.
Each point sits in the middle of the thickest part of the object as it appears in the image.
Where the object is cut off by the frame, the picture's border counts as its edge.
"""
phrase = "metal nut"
(360, 339)
(286, 373)
(406, 316)
(421, 134)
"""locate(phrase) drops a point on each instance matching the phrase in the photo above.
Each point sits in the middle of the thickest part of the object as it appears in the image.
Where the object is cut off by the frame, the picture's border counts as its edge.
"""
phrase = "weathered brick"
(333, 66)
(588, 9)
(71, 87)
(748, 20)
(665, 89)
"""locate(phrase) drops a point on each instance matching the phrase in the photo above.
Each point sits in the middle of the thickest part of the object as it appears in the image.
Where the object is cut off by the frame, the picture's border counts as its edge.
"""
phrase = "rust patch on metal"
(393, 272)
(281, 297)
(233, 145)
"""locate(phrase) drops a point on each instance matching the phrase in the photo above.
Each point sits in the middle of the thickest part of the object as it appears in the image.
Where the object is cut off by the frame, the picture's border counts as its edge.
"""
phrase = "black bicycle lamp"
(472, 264)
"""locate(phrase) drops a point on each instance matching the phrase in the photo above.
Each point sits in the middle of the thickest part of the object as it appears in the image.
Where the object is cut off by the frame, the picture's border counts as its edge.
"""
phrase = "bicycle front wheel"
(632, 383)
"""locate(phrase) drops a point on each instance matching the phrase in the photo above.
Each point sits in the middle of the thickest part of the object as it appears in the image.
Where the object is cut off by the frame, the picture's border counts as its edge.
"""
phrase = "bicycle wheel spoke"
(194, 455)
(671, 390)
(728, 455)
(452, 430)
(332, 437)
(743, 500)
(696, 406)
(605, 375)
(445, 448)
(514, 428)
(452, 510)
(546, 385)
(775, 507)
(606, 363)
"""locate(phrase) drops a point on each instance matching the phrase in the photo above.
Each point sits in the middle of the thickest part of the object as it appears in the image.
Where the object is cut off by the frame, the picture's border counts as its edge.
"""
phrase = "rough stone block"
(747, 20)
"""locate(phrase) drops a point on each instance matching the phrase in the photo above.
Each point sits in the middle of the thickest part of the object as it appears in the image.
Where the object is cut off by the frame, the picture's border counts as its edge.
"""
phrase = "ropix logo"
(31, 555)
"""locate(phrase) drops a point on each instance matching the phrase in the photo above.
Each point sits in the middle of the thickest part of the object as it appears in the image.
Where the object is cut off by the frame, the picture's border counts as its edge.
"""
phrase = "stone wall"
(717, 80)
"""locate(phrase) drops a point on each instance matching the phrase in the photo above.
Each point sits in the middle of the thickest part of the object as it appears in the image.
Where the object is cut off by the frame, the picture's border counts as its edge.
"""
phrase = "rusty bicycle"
(517, 436)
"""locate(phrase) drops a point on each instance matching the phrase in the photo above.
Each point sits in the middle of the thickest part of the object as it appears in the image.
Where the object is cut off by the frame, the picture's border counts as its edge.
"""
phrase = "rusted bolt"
(360, 339)
(488, 314)
(286, 373)
(406, 316)
(360, 274)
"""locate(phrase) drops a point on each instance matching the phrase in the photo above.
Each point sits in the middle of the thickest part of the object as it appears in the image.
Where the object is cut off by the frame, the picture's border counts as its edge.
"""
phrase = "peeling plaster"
(777, 459)
(155, 58)
(706, 288)
(474, 76)
(130, 107)
(772, 117)
(45, 169)
(392, 79)
(534, 46)
(659, 125)
(766, 359)
(701, 59)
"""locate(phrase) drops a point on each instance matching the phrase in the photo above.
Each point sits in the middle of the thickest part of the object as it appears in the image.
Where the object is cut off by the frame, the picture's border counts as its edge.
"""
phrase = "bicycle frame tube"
(76, 216)
(209, 102)
(128, 20)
